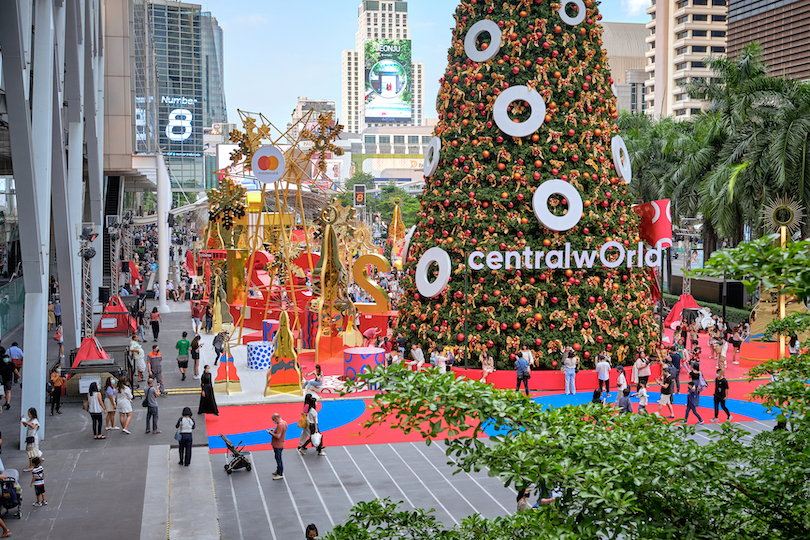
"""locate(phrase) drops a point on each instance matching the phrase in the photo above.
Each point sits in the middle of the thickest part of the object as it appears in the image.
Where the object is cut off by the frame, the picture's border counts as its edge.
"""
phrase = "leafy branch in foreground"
(631, 475)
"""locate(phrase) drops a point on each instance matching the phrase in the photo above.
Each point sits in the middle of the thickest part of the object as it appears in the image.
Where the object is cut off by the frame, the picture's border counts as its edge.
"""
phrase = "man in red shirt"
(279, 434)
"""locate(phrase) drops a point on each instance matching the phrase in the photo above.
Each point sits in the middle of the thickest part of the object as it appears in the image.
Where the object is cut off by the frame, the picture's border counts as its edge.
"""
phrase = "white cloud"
(634, 8)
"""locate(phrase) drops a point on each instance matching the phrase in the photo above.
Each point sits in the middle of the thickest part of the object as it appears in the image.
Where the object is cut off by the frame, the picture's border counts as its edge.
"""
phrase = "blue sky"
(278, 50)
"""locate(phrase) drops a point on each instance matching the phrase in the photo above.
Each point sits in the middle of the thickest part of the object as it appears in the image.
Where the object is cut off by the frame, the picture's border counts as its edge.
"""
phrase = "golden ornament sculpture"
(322, 139)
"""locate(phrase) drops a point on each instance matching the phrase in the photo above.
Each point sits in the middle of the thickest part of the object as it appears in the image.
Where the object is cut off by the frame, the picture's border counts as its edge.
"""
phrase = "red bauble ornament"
(512, 357)
(413, 327)
(591, 299)
(586, 354)
(479, 327)
(490, 344)
(504, 326)
(599, 339)
(538, 317)
(609, 347)
(435, 328)
(460, 337)
(554, 299)
(538, 342)
(523, 300)
(516, 326)
(554, 363)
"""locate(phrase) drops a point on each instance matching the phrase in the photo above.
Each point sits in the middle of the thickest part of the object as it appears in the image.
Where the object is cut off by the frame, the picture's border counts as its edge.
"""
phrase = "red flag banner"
(656, 223)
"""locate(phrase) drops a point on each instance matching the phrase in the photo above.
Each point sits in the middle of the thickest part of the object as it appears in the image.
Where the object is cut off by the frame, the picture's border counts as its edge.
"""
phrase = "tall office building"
(303, 106)
(213, 69)
(682, 35)
(179, 84)
(381, 85)
(782, 27)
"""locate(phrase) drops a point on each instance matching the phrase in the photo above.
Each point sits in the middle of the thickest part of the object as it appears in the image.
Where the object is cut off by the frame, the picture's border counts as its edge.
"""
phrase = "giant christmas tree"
(526, 122)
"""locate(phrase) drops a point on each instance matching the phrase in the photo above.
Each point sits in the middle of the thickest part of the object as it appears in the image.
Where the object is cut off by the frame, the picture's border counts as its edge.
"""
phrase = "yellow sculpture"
(381, 304)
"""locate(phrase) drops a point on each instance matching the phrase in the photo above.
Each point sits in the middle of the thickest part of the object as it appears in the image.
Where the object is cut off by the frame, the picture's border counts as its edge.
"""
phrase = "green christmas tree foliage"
(480, 196)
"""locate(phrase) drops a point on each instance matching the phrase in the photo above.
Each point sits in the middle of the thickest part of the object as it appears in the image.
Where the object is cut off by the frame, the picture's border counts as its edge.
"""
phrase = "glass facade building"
(179, 85)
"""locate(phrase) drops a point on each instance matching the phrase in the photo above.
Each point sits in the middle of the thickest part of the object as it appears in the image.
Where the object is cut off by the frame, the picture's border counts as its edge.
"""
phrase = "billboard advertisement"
(389, 81)
(180, 126)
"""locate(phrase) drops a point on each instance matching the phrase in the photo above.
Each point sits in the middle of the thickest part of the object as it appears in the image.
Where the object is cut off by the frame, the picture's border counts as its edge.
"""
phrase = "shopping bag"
(316, 438)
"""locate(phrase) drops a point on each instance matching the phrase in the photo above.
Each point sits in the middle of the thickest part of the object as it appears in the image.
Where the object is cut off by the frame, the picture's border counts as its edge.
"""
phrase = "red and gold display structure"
(526, 233)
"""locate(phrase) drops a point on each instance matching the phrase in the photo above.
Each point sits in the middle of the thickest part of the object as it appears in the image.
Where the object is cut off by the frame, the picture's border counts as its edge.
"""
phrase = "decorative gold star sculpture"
(322, 140)
(226, 204)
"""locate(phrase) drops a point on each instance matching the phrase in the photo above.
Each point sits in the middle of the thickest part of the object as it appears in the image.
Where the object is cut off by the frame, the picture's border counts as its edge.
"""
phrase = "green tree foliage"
(409, 206)
(621, 476)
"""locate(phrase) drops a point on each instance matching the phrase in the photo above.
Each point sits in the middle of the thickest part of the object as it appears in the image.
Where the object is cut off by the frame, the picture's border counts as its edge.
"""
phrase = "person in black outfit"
(8, 371)
(675, 360)
(720, 395)
(208, 403)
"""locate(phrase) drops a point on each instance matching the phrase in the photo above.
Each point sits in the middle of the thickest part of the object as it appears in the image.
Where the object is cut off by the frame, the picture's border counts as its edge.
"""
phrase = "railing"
(12, 305)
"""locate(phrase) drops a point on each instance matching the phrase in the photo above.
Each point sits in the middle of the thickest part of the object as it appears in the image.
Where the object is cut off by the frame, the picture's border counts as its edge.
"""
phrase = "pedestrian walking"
(197, 313)
(31, 437)
(675, 362)
(38, 481)
(123, 402)
(570, 366)
(279, 434)
(57, 311)
(109, 404)
(155, 319)
(16, 355)
(151, 404)
(95, 406)
(219, 345)
(603, 373)
(141, 320)
(209, 318)
(641, 394)
(182, 346)
(137, 353)
(666, 381)
(184, 426)
(692, 401)
(720, 395)
(59, 337)
(208, 403)
(196, 347)
(523, 374)
(155, 364)
(314, 437)
(57, 384)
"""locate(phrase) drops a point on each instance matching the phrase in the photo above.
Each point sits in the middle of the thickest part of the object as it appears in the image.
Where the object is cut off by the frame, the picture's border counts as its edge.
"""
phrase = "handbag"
(29, 440)
(58, 335)
(317, 439)
(177, 436)
(86, 405)
(302, 422)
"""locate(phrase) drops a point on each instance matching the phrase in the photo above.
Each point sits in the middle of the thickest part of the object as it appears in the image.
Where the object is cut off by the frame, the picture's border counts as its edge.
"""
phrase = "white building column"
(164, 195)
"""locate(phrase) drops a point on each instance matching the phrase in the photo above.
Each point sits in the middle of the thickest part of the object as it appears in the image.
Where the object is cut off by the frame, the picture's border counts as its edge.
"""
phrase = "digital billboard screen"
(181, 129)
(389, 81)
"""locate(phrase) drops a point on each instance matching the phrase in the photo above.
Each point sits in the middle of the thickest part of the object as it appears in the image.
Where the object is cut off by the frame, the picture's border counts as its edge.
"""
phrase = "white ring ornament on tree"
(425, 287)
(432, 156)
(623, 168)
(519, 93)
(470, 41)
(573, 21)
(540, 204)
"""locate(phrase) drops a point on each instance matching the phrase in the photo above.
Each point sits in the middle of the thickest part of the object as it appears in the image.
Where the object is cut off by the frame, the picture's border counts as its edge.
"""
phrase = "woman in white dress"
(123, 400)
(31, 437)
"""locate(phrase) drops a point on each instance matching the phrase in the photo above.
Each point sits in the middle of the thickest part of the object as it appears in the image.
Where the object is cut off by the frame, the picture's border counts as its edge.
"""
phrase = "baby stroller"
(11, 492)
(239, 460)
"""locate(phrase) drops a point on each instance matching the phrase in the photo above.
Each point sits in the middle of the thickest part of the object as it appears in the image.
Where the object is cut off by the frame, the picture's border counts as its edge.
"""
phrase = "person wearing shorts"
(38, 481)
(667, 382)
(182, 347)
